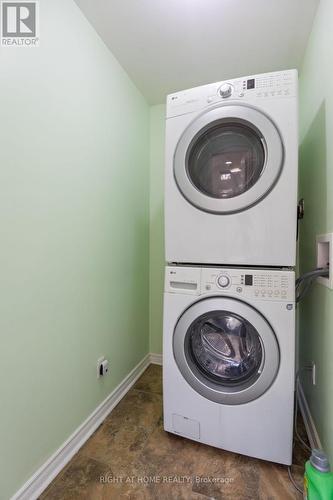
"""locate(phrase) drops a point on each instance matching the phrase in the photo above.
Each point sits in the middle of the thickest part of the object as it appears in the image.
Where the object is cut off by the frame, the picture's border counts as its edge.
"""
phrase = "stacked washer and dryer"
(230, 233)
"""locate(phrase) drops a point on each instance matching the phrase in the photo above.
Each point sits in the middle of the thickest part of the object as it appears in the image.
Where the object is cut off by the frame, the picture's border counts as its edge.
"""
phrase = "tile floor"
(130, 451)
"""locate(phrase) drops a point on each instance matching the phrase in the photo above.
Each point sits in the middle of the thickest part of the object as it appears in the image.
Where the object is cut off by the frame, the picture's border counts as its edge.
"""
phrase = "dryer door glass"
(226, 160)
(225, 347)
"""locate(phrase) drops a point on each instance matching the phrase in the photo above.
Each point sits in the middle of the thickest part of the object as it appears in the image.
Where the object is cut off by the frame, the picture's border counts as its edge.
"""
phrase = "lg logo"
(19, 23)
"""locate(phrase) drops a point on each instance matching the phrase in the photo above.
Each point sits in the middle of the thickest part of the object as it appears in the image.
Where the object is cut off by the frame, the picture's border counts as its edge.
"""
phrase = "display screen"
(250, 84)
(248, 279)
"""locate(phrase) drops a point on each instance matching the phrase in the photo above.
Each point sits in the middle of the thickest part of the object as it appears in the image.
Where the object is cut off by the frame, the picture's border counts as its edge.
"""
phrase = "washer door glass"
(226, 160)
(226, 350)
(225, 347)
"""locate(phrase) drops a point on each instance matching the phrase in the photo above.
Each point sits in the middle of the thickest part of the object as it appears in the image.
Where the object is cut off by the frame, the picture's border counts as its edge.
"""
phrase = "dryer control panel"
(246, 283)
(251, 89)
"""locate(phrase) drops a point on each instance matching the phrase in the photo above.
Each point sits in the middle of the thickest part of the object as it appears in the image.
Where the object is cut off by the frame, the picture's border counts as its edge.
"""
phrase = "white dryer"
(229, 358)
(231, 172)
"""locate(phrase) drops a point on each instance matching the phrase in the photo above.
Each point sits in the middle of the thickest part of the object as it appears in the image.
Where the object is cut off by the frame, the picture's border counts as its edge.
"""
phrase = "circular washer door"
(226, 350)
(228, 159)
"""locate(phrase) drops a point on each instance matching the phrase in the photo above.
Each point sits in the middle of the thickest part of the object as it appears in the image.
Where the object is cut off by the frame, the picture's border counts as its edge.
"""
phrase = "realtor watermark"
(20, 24)
(176, 479)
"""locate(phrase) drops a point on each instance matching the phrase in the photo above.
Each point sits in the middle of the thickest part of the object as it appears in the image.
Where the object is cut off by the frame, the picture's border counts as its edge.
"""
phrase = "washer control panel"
(250, 283)
(246, 283)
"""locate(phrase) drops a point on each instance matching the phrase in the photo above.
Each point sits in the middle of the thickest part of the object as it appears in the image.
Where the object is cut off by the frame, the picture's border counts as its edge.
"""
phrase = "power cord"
(304, 282)
(290, 474)
(292, 480)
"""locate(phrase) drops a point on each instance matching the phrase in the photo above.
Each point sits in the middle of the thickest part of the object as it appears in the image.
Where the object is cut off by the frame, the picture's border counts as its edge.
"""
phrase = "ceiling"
(170, 45)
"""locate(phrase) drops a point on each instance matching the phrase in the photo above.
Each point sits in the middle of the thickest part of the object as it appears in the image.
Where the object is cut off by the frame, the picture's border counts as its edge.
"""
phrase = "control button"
(283, 293)
(276, 293)
(241, 94)
(223, 281)
(208, 287)
(225, 90)
(239, 289)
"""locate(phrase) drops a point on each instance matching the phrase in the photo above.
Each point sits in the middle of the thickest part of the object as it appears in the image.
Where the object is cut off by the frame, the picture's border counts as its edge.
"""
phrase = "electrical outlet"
(102, 367)
(313, 373)
(99, 364)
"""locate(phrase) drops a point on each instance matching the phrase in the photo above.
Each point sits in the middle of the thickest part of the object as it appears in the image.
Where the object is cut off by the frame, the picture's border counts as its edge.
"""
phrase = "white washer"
(229, 358)
(231, 172)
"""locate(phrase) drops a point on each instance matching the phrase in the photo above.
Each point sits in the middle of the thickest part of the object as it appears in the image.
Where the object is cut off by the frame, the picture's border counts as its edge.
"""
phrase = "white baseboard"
(51, 468)
(308, 420)
(155, 359)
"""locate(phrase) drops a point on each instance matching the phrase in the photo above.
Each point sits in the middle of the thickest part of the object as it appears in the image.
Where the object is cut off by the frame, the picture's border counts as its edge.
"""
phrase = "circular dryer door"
(228, 159)
(226, 350)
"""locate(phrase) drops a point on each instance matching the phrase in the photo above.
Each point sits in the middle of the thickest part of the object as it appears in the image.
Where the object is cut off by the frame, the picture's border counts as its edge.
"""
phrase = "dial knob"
(223, 281)
(226, 90)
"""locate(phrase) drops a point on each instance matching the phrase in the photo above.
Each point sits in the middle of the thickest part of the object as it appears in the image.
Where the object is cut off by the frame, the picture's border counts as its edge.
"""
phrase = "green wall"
(316, 186)
(156, 263)
(74, 218)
